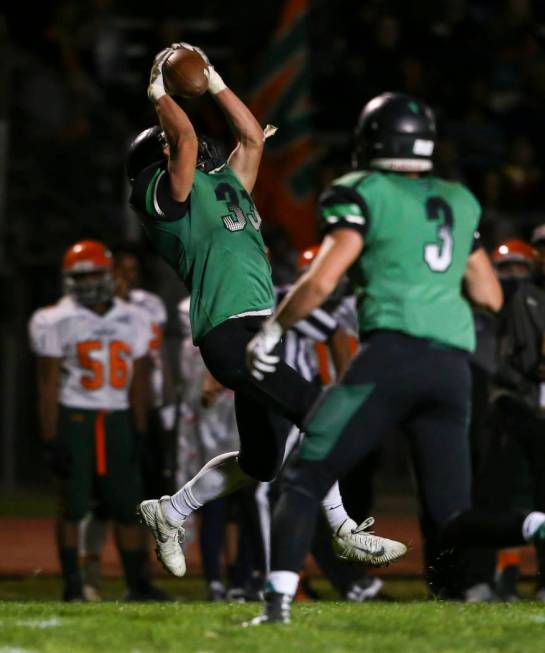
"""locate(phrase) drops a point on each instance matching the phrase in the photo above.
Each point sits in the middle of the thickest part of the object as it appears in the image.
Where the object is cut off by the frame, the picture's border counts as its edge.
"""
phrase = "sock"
(531, 524)
(92, 536)
(133, 561)
(70, 568)
(220, 476)
(283, 582)
(333, 507)
(180, 505)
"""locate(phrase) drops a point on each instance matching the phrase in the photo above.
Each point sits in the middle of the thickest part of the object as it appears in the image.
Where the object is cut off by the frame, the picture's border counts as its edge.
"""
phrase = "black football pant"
(395, 381)
(450, 572)
(285, 392)
(357, 495)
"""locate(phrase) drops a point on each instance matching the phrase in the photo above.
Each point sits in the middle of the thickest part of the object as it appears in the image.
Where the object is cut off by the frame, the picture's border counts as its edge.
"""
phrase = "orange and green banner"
(286, 188)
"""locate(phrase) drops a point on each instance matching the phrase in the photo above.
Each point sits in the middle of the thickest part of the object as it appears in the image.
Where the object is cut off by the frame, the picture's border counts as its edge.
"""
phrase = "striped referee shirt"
(299, 353)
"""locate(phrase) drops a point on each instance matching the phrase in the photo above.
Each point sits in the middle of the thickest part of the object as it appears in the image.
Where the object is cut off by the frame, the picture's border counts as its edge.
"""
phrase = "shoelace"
(368, 540)
(364, 526)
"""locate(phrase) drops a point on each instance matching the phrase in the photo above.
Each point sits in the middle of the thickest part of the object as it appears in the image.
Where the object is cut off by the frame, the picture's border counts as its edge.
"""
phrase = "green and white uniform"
(418, 234)
(212, 240)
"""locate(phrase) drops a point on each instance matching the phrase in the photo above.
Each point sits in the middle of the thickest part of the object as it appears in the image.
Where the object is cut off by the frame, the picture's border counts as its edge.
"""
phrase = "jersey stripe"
(298, 352)
(155, 187)
(150, 193)
(100, 443)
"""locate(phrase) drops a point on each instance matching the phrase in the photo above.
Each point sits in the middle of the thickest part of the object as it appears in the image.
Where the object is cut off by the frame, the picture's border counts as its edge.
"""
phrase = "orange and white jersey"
(156, 311)
(151, 303)
(97, 351)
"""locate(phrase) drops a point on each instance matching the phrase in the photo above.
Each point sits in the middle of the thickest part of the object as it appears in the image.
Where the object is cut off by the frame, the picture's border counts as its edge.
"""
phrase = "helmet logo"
(413, 106)
(423, 147)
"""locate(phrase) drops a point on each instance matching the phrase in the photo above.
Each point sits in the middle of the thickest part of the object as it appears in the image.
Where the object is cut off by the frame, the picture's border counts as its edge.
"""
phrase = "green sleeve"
(343, 207)
(151, 195)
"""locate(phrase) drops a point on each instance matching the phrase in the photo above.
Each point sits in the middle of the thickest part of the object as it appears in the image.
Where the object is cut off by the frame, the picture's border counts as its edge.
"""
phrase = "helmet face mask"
(88, 273)
(89, 288)
(210, 155)
(395, 132)
(149, 147)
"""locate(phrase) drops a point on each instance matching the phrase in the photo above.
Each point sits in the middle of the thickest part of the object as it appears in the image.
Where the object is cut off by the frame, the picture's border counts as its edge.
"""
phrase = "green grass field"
(410, 625)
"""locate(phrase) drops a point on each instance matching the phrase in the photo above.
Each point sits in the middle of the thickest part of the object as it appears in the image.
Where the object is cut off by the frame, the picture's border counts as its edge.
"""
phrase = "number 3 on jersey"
(237, 218)
(438, 255)
(117, 364)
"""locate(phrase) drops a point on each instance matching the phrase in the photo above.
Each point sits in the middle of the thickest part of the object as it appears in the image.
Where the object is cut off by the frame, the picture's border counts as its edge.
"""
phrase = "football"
(183, 73)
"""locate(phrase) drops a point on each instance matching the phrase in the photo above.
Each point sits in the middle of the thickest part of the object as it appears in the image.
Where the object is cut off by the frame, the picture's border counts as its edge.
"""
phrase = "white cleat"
(168, 538)
(353, 542)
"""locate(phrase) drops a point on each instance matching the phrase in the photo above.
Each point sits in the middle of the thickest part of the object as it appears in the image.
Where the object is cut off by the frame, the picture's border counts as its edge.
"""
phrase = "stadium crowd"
(479, 64)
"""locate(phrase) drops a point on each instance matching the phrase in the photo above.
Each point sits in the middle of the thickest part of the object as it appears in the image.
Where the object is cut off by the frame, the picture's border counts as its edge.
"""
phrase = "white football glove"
(187, 46)
(156, 87)
(215, 82)
(259, 359)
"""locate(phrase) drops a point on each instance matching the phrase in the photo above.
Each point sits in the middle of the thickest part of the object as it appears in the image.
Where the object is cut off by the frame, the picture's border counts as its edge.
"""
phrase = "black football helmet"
(210, 154)
(146, 148)
(395, 132)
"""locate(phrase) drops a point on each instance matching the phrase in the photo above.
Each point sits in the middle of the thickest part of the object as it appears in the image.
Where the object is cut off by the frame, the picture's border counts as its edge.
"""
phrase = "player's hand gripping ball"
(184, 72)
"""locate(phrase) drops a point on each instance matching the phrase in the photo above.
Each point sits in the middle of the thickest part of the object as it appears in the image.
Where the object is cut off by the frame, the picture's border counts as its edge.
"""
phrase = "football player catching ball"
(197, 212)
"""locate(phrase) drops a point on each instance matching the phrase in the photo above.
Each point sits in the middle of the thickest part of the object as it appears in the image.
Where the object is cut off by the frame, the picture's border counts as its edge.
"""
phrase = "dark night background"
(73, 79)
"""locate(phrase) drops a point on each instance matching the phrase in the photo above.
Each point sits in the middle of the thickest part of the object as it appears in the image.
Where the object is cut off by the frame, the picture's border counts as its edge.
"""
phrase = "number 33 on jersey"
(97, 351)
(212, 240)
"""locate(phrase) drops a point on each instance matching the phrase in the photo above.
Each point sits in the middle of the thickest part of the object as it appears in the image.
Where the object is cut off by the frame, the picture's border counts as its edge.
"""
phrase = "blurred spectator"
(522, 176)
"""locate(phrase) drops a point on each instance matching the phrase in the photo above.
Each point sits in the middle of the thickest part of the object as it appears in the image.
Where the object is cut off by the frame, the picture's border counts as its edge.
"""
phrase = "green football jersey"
(418, 234)
(212, 240)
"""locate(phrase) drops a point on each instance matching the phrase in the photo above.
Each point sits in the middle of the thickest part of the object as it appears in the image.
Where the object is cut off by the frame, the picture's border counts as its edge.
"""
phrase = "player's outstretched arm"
(179, 132)
(481, 282)
(246, 156)
(338, 251)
